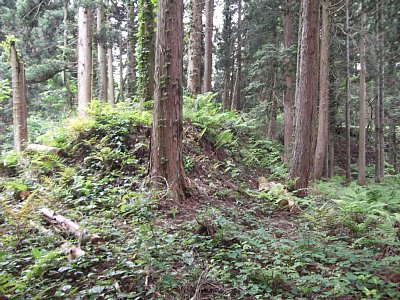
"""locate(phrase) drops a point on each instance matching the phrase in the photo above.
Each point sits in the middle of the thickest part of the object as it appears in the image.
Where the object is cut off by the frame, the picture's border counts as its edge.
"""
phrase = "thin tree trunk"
(322, 139)
(195, 57)
(237, 101)
(289, 92)
(65, 74)
(121, 71)
(131, 41)
(101, 53)
(306, 97)
(208, 45)
(362, 123)
(111, 91)
(348, 97)
(393, 147)
(381, 72)
(84, 59)
(166, 146)
(227, 40)
(19, 100)
(147, 57)
(273, 110)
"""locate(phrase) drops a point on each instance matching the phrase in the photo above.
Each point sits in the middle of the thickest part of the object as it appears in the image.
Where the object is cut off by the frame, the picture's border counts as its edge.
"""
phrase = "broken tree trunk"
(69, 226)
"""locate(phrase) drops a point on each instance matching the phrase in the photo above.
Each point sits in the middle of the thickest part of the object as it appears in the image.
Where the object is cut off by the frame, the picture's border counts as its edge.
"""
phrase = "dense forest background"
(213, 149)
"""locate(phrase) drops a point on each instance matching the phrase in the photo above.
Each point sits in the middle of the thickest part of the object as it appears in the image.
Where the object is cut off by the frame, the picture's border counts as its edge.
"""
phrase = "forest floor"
(231, 239)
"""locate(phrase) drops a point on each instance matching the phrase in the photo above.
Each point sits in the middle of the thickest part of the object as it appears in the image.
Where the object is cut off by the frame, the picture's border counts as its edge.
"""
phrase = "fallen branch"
(69, 227)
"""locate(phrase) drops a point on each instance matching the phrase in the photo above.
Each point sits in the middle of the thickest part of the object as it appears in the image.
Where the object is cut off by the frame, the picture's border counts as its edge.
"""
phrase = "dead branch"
(69, 227)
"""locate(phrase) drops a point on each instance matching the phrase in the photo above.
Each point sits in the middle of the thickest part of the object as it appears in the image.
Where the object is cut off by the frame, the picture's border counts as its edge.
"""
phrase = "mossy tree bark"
(166, 146)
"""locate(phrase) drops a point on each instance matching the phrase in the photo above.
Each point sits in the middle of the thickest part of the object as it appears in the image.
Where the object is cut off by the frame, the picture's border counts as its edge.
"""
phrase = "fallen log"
(69, 227)
(44, 149)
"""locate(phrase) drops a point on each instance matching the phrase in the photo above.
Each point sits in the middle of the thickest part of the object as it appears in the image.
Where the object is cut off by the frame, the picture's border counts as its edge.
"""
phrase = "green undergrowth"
(228, 241)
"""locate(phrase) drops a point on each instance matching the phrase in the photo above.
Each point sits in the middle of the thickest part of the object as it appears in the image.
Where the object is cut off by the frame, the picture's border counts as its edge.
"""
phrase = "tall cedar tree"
(145, 50)
(306, 96)
(19, 100)
(322, 138)
(363, 92)
(84, 59)
(379, 111)
(289, 81)
(166, 142)
(236, 100)
(195, 57)
(348, 96)
(208, 45)
(101, 53)
(131, 38)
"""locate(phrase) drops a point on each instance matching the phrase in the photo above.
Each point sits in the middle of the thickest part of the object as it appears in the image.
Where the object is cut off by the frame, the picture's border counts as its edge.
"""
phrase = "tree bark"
(322, 138)
(227, 65)
(131, 40)
(379, 115)
(362, 121)
(195, 57)
(208, 45)
(289, 91)
(111, 91)
(65, 74)
(272, 118)
(19, 100)
(101, 54)
(237, 101)
(147, 57)
(84, 59)
(121, 71)
(393, 148)
(348, 96)
(306, 97)
(166, 148)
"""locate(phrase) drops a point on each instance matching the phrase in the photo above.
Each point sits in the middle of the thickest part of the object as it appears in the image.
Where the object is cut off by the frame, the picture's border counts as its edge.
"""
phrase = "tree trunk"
(19, 100)
(121, 71)
(348, 97)
(322, 138)
(362, 123)
(208, 45)
(131, 39)
(306, 97)
(393, 147)
(84, 59)
(195, 59)
(379, 135)
(111, 91)
(65, 74)
(289, 91)
(237, 101)
(227, 61)
(101, 53)
(273, 111)
(146, 58)
(166, 146)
